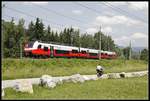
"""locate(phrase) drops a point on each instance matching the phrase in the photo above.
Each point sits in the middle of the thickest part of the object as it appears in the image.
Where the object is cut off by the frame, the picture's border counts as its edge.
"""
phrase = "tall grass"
(25, 68)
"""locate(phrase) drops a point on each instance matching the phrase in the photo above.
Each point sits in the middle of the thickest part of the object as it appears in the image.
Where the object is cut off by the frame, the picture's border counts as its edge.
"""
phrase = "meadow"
(33, 68)
(125, 88)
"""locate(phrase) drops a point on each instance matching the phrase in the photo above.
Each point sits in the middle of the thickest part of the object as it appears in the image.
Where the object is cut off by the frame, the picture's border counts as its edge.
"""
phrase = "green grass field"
(28, 68)
(126, 88)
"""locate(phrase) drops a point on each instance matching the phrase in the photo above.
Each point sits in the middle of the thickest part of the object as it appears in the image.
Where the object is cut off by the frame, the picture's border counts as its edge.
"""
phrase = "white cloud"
(139, 36)
(75, 27)
(38, 3)
(133, 5)
(114, 20)
(107, 30)
(123, 40)
(117, 3)
(138, 5)
(140, 39)
(91, 30)
(77, 12)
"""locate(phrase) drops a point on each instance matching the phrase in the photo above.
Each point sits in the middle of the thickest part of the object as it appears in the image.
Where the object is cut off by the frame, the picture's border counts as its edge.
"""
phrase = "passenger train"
(40, 49)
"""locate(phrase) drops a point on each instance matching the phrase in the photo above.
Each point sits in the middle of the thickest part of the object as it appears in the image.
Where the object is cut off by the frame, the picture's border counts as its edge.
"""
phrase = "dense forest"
(16, 35)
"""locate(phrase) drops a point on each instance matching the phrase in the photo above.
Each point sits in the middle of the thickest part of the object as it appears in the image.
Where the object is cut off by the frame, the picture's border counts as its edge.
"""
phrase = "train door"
(87, 56)
(52, 51)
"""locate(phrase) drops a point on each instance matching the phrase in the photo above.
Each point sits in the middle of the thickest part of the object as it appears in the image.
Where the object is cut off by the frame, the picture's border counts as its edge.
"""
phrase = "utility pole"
(130, 51)
(79, 42)
(100, 43)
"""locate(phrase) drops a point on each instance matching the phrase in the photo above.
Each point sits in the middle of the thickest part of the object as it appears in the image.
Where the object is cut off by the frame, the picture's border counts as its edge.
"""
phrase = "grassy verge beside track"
(29, 68)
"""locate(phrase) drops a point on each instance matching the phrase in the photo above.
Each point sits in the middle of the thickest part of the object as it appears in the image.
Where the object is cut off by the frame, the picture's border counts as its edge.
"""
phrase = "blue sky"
(123, 21)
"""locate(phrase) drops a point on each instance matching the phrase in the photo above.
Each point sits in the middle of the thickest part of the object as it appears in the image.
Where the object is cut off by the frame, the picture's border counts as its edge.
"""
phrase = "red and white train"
(39, 49)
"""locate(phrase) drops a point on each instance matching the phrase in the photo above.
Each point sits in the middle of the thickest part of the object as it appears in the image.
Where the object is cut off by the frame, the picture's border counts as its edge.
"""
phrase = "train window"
(87, 51)
(83, 52)
(105, 53)
(74, 51)
(30, 44)
(93, 54)
(62, 52)
(45, 48)
(39, 46)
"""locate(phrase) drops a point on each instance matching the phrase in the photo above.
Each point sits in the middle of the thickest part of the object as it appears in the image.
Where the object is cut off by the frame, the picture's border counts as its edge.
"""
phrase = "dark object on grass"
(100, 71)
(122, 75)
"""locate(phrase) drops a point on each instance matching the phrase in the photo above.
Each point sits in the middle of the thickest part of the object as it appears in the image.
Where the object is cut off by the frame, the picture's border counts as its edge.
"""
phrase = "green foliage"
(24, 68)
(15, 35)
(126, 52)
(144, 55)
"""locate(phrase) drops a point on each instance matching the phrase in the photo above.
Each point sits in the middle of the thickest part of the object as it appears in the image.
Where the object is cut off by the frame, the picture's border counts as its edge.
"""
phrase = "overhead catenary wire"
(12, 9)
(16, 18)
(92, 9)
(63, 15)
(117, 9)
(61, 25)
(60, 14)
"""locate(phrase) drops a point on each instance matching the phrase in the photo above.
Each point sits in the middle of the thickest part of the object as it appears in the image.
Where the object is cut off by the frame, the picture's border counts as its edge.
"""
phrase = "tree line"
(16, 35)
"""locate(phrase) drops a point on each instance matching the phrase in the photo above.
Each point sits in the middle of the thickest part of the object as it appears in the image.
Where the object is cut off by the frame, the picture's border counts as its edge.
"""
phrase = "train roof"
(60, 47)
(70, 48)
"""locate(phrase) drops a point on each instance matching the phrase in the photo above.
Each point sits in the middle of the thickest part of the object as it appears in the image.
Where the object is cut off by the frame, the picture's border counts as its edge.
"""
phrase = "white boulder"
(77, 78)
(86, 78)
(113, 75)
(3, 93)
(23, 86)
(138, 74)
(58, 81)
(104, 76)
(44, 79)
(47, 81)
(128, 75)
(51, 84)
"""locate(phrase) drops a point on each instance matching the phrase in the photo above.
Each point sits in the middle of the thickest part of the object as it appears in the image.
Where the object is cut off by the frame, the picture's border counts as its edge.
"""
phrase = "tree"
(52, 36)
(135, 55)
(48, 34)
(15, 34)
(61, 37)
(76, 38)
(39, 29)
(56, 37)
(144, 55)
(31, 31)
(126, 52)
(20, 36)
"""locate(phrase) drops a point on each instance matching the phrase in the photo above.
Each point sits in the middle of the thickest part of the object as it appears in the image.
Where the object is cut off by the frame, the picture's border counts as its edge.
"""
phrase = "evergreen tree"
(39, 29)
(126, 52)
(48, 35)
(31, 31)
(144, 55)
